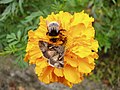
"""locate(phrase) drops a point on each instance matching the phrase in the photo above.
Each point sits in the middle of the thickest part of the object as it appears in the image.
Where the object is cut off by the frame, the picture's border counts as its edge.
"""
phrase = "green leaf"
(20, 6)
(2, 18)
(19, 34)
(20, 61)
(25, 37)
(14, 43)
(10, 40)
(114, 1)
(9, 36)
(5, 1)
(14, 4)
(2, 36)
(32, 16)
(12, 35)
(7, 10)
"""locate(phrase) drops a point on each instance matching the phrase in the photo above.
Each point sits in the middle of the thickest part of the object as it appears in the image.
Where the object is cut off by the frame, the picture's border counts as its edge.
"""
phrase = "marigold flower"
(78, 44)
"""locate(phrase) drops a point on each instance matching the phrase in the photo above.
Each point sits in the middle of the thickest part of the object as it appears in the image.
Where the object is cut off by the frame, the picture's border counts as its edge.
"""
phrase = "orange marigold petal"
(26, 58)
(53, 77)
(64, 18)
(31, 33)
(81, 51)
(74, 32)
(45, 76)
(40, 34)
(90, 59)
(38, 70)
(58, 72)
(71, 74)
(35, 56)
(42, 63)
(82, 18)
(85, 67)
(51, 17)
(29, 46)
(65, 82)
(35, 51)
(43, 25)
(73, 61)
(95, 45)
(89, 32)
(94, 55)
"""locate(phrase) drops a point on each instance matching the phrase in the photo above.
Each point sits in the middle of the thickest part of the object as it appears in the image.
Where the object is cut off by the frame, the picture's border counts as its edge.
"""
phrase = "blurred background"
(17, 17)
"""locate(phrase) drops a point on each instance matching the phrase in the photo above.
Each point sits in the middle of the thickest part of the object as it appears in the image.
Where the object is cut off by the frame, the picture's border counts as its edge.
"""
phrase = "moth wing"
(43, 46)
(56, 57)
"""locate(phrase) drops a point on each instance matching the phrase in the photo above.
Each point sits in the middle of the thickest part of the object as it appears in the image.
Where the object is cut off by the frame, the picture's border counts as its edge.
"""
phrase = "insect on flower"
(54, 54)
(55, 33)
(53, 28)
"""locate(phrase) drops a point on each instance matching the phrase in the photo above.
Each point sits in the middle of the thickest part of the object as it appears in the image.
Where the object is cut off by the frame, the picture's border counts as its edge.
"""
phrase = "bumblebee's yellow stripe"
(53, 36)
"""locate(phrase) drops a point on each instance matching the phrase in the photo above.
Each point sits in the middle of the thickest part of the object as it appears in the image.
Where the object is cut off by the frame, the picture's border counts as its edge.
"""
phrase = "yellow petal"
(35, 56)
(65, 82)
(38, 70)
(35, 51)
(82, 18)
(94, 55)
(30, 33)
(95, 45)
(26, 58)
(71, 74)
(29, 46)
(90, 59)
(45, 76)
(76, 31)
(45, 80)
(89, 32)
(58, 72)
(51, 17)
(81, 51)
(64, 18)
(73, 61)
(42, 63)
(43, 25)
(40, 34)
(85, 67)
(53, 77)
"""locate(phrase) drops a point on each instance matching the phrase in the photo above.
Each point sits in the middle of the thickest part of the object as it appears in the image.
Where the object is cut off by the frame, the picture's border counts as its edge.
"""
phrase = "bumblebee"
(53, 29)
(55, 33)
(54, 53)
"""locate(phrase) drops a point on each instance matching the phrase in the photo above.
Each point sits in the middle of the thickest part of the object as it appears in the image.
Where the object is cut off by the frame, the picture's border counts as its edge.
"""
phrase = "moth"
(54, 54)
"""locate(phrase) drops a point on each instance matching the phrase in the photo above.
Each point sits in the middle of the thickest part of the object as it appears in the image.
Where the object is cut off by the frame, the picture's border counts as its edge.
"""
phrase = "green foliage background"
(19, 16)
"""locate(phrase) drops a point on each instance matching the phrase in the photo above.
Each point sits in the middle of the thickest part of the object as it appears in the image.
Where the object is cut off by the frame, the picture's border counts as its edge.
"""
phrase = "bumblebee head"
(53, 28)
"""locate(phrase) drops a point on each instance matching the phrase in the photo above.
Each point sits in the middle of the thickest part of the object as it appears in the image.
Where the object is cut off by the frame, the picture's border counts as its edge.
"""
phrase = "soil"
(12, 77)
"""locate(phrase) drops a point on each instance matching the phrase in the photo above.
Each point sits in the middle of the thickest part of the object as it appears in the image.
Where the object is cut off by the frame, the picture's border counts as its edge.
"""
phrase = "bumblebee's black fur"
(53, 32)
(53, 29)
